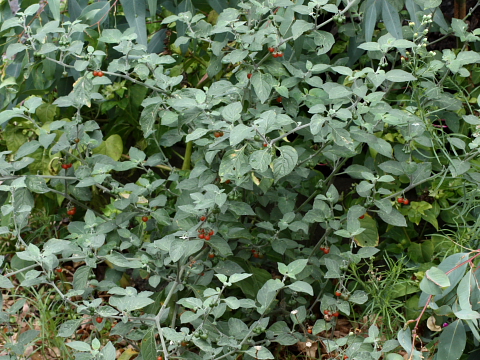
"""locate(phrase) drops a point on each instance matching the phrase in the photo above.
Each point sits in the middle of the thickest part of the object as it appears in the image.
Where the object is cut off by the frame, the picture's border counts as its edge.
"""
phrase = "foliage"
(247, 164)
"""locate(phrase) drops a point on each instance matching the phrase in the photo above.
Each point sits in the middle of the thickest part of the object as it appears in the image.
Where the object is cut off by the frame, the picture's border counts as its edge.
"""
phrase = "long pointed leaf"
(135, 14)
(391, 20)
(370, 19)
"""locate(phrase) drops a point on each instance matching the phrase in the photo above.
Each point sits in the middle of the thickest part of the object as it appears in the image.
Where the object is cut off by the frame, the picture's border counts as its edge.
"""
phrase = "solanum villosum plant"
(222, 173)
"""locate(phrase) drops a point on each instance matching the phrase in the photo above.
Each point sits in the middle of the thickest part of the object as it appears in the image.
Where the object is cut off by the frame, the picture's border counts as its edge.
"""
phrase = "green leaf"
(240, 133)
(95, 13)
(119, 260)
(431, 4)
(297, 266)
(438, 277)
(324, 41)
(79, 345)
(370, 19)
(369, 237)
(451, 342)
(134, 11)
(391, 19)
(130, 303)
(152, 7)
(301, 286)
(261, 86)
(5, 283)
(69, 327)
(285, 163)
(260, 160)
(398, 75)
(232, 112)
(299, 27)
(54, 6)
(149, 117)
(197, 134)
(394, 218)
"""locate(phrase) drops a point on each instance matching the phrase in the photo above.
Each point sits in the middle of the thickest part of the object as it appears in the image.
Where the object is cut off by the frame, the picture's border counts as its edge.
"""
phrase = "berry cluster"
(218, 134)
(331, 313)
(257, 254)
(325, 250)
(98, 73)
(275, 54)
(403, 201)
(66, 166)
(203, 234)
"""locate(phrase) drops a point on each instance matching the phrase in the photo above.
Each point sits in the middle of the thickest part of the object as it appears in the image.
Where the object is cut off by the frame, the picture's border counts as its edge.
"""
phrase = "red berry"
(326, 312)
(279, 99)
(406, 202)
(99, 320)
(59, 270)
(249, 76)
(95, 73)
(69, 165)
(336, 314)
(160, 358)
(227, 181)
(345, 357)
(280, 54)
(211, 232)
(400, 200)
(145, 218)
(217, 134)
(361, 217)
(201, 236)
(72, 211)
(207, 237)
(256, 255)
(253, 251)
(326, 250)
(309, 331)
(64, 166)
(271, 49)
(100, 73)
(265, 144)
(211, 255)
(338, 293)
(203, 218)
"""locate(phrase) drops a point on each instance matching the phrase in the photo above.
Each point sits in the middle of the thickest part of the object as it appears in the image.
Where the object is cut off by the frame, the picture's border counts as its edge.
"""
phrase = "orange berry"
(338, 293)
(211, 255)
(309, 331)
(144, 218)
(203, 218)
